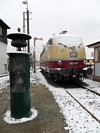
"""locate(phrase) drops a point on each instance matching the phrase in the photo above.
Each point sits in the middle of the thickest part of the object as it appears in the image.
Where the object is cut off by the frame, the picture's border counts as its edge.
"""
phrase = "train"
(90, 61)
(64, 58)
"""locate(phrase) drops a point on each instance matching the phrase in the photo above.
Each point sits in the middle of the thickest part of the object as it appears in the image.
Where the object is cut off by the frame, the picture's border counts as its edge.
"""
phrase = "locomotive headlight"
(60, 62)
(72, 47)
(84, 62)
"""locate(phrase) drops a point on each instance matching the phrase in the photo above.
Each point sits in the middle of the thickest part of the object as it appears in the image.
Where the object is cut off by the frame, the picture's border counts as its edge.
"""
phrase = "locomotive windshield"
(67, 41)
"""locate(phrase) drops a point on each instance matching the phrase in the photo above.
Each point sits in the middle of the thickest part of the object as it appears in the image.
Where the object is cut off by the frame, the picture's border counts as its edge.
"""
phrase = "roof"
(94, 44)
(3, 24)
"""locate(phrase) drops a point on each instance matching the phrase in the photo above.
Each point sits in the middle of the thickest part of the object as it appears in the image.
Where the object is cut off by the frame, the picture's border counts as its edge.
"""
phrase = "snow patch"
(7, 118)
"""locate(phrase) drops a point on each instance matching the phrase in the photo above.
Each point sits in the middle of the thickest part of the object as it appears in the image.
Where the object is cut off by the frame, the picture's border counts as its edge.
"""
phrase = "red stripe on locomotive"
(65, 64)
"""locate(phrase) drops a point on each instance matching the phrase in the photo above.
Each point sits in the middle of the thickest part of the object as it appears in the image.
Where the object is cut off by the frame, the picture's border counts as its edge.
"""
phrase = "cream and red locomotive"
(64, 58)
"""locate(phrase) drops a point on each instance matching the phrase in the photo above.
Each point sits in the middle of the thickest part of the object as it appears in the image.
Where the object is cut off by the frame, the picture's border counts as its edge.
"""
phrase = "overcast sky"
(48, 17)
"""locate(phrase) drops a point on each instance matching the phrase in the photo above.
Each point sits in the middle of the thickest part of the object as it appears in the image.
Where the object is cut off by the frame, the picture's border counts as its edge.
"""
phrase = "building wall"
(96, 63)
(3, 57)
(97, 69)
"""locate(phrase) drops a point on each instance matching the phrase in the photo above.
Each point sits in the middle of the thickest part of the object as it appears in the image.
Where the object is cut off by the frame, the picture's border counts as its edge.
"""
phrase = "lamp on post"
(19, 70)
(26, 2)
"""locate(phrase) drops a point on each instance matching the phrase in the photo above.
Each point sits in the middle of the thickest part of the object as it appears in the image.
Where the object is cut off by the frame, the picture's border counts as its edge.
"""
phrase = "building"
(3, 47)
(96, 46)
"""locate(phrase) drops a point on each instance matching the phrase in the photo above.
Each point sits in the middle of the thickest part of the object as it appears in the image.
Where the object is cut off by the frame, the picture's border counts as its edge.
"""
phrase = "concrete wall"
(3, 57)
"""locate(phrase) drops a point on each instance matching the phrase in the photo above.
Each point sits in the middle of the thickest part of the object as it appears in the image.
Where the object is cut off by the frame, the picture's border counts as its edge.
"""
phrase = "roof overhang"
(3, 24)
(94, 45)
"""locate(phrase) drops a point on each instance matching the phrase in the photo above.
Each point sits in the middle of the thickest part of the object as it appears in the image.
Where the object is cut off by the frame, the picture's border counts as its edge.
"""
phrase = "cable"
(20, 5)
(35, 28)
(16, 7)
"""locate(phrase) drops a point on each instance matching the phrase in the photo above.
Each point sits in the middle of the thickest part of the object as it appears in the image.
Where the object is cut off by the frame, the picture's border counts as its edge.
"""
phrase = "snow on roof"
(18, 52)
(97, 40)
(88, 58)
(68, 39)
(64, 35)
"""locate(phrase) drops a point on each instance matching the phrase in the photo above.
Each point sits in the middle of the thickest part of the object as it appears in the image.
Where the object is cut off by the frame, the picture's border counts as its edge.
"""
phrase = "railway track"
(84, 106)
(4, 75)
(79, 86)
(90, 97)
(91, 90)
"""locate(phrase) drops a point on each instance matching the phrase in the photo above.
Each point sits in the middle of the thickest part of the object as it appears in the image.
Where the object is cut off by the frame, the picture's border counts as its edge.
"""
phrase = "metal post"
(28, 30)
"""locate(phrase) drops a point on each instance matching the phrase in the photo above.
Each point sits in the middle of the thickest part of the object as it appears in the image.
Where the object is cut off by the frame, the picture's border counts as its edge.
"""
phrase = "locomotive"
(64, 58)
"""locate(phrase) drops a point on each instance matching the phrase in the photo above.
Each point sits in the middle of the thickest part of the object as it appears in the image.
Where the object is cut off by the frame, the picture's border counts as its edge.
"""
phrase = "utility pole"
(26, 2)
(28, 29)
(24, 31)
(24, 22)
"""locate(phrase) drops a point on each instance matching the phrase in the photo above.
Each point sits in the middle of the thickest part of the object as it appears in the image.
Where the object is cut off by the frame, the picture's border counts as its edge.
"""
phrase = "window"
(49, 43)
(73, 54)
(0, 31)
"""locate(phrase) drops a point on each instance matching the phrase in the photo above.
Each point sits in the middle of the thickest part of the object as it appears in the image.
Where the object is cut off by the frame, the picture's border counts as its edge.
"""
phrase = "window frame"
(50, 43)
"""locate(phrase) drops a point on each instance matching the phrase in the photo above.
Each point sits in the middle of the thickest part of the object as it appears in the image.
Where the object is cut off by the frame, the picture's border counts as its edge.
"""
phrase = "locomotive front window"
(50, 43)
(73, 54)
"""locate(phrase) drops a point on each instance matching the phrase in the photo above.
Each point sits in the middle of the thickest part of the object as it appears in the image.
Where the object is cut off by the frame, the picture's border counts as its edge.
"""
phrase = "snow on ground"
(89, 100)
(78, 120)
(93, 85)
(4, 82)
